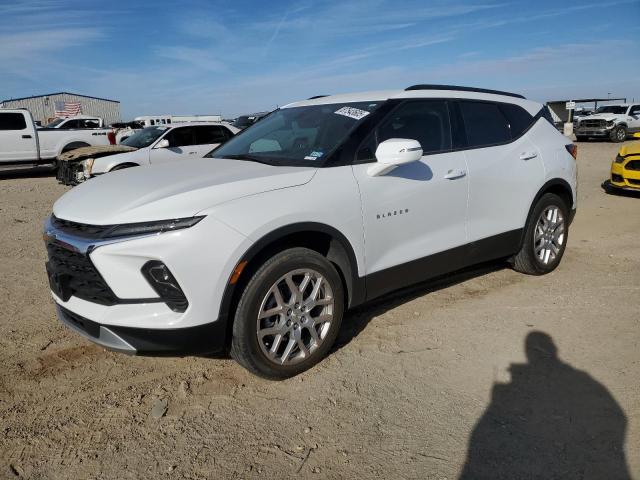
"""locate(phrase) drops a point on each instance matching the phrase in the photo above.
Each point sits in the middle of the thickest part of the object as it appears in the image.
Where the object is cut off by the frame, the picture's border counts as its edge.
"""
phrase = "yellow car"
(625, 169)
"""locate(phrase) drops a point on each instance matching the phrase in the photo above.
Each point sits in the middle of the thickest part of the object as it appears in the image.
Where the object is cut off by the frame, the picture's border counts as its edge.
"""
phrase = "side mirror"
(164, 143)
(394, 152)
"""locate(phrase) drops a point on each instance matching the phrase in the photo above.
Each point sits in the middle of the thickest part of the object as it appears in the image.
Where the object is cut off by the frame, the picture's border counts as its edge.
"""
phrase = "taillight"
(572, 148)
(112, 137)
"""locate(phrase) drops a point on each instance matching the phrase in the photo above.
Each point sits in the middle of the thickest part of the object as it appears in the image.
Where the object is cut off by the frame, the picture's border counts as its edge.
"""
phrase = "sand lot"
(421, 383)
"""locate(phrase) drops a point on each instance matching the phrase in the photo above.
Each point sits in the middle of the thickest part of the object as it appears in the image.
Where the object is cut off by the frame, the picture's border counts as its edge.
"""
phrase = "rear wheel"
(289, 314)
(546, 236)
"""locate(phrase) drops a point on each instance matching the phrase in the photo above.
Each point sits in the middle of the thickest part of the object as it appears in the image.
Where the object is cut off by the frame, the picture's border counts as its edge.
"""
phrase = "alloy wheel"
(549, 234)
(295, 316)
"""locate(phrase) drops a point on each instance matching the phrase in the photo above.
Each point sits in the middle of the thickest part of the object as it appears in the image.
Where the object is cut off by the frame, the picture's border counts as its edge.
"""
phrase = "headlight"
(618, 159)
(87, 165)
(129, 229)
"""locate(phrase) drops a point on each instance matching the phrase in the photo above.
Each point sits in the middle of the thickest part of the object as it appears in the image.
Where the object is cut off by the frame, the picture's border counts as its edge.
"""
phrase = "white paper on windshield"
(351, 112)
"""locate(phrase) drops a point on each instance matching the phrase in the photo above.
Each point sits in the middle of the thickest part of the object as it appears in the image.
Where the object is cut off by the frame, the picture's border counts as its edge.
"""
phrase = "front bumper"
(203, 339)
(592, 132)
(122, 312)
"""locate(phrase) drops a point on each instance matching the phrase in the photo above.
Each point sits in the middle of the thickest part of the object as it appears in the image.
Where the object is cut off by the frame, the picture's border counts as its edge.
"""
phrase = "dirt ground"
(429, 383)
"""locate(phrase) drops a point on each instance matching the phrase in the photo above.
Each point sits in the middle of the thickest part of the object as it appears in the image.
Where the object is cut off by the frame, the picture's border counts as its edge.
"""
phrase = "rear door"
(505, 169)
(208, 137)
(18, 141)
(181, 146)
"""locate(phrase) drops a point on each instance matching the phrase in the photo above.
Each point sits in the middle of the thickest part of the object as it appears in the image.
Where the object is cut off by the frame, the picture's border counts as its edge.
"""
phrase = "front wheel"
(545, 238)
(619, 134)
(289, 314)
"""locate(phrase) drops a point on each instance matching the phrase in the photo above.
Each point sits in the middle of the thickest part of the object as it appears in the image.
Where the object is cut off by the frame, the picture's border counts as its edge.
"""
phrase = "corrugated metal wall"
(42, 108)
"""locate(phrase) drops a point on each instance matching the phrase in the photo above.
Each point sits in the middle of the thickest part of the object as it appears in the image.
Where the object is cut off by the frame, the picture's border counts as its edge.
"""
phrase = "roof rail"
(317, 96)
(462, 89)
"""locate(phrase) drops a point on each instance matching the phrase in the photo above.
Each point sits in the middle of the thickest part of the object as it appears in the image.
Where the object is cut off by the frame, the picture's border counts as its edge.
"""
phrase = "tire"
(533, 258)
(253, 339)
(618, 134)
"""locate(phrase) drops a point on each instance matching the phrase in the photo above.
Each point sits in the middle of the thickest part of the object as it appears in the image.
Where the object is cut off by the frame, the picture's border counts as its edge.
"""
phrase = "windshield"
(144, 137)
(55, 123)
(615, 109)
(298, 136)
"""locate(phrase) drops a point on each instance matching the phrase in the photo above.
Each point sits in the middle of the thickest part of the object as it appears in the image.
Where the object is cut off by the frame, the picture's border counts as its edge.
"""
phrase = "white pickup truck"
(23, 146)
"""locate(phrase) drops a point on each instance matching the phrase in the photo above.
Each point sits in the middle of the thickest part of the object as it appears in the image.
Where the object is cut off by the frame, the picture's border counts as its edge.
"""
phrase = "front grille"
(593, 123)
(633, 165)
(67, 173)
(616, 178)
(79, 229)
(79, 275)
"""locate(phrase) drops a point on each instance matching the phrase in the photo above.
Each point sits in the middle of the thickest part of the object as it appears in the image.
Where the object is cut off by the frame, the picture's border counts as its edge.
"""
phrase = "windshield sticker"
(315, 154)
(351, 112)
(309, 157)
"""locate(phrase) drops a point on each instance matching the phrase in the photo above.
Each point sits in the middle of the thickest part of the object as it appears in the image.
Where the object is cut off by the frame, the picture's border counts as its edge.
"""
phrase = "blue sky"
(226, 57)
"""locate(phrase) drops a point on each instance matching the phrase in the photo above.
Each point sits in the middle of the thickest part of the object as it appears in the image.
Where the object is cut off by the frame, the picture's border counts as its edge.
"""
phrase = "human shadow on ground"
(551, 421)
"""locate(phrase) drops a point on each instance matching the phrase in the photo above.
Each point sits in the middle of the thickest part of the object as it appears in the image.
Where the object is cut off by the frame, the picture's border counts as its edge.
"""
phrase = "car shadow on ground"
(356, 320)
(551, 421)
(27, 173)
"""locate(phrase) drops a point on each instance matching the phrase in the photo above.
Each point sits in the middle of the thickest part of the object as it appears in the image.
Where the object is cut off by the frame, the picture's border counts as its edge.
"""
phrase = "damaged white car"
(149, 146)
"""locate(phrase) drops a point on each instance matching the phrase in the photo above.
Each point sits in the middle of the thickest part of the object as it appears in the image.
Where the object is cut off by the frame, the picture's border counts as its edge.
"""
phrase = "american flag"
(67, 109)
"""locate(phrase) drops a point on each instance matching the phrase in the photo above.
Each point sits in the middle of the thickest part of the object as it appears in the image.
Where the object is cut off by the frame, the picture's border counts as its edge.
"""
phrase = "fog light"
(165, 285)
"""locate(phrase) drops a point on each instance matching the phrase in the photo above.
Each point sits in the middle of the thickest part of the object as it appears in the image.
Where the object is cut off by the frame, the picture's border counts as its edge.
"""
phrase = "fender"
(340, 252)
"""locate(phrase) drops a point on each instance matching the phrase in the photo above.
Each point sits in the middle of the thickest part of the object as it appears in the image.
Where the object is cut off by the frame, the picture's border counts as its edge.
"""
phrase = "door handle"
(193, 153)
(27, 136)
(453, 174)
(528, 155)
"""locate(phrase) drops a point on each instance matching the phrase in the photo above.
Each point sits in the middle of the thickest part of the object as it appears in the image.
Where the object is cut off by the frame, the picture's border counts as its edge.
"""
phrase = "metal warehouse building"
(42, 107)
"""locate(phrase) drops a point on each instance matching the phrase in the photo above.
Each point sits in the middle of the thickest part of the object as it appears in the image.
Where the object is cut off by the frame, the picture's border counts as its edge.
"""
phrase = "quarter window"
(635, 110)
(485, 124)
(519, 119)
(12, 121)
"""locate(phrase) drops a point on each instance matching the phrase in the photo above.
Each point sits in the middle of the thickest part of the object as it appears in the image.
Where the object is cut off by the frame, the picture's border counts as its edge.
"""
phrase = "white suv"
(319, 207)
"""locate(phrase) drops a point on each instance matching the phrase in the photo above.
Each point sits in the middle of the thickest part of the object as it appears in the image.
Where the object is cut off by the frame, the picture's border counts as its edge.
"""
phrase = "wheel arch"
(560, 187)
(322, 238)
(118, 166)
(73, 145)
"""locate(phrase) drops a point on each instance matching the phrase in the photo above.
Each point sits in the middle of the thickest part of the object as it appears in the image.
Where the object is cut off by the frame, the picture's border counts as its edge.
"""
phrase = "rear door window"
(181, 137)
(208, 134)
(12, 121)
(485, 124)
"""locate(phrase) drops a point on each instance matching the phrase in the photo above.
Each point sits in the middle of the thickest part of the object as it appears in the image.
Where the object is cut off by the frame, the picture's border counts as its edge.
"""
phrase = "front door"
(414, 216)
(17, 139)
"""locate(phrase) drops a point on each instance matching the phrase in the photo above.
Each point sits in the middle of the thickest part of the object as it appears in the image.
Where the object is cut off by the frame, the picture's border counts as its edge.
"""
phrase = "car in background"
(79, 121)
(24, 146)
(614, 122)
(319, 207)
(625, 169)
(149, 146)
(244, 121)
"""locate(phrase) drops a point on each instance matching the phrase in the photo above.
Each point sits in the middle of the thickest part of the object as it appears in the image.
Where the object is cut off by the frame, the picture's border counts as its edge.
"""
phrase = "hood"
(173, 190)
(94, 152)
